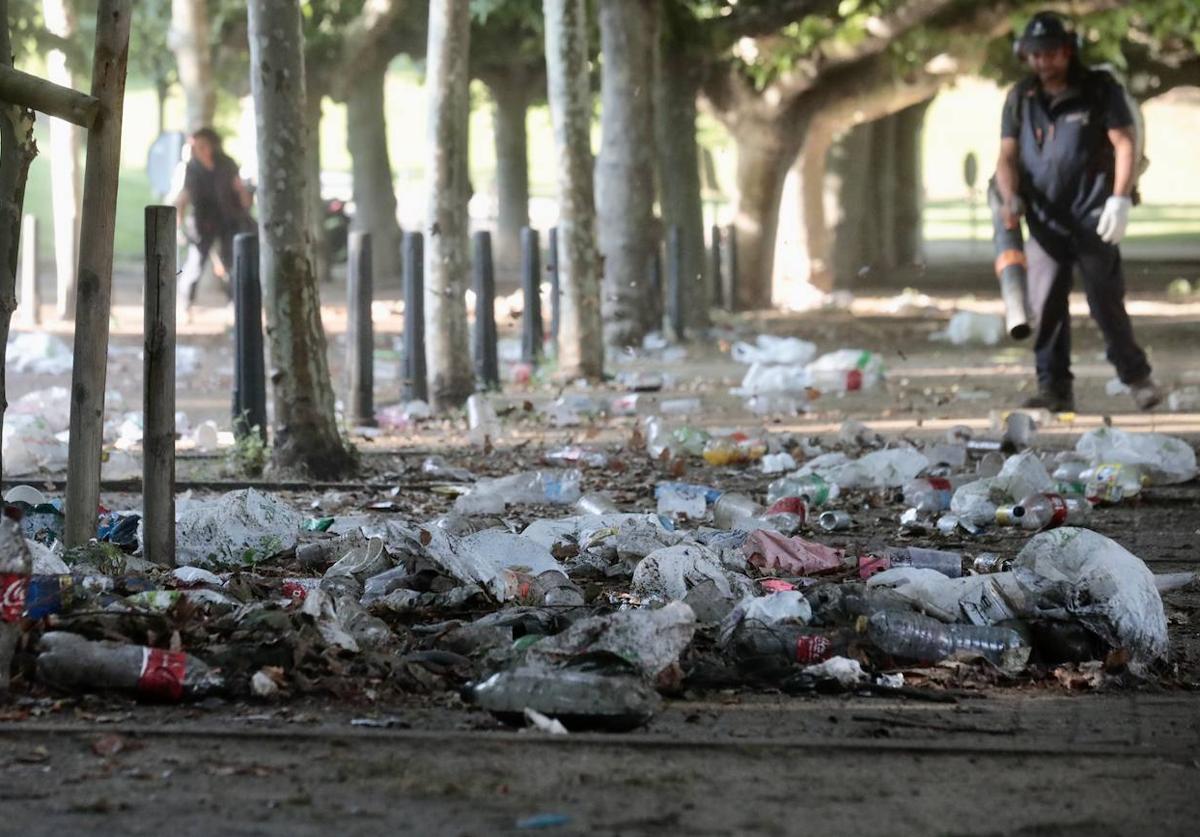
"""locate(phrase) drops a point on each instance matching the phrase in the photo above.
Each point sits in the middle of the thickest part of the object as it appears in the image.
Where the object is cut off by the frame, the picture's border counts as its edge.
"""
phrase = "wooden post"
(487, 366)
(93, 291)
(30, 301)
(531, 282)
(718, 283)
(731, 270)
(249, 368)
(656, 284)
(360, 332)
(415, 384)
(158, 390)
(555, 293)
(675, 282)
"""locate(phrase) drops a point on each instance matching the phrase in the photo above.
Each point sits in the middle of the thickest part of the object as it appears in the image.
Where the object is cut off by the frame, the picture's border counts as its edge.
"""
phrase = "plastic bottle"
(989, 562)
(815, 490)
(930, 495)
(947, 563)
(846, 370)
(756, 645)
(578, 698)
(482, 422)
(914, 636)
(15, 566)
(734, 449)
(593, 503)
(548, 485)
(1112, 482)
(1043, 511)
(683, 498)
(69, 661)
(732, 507)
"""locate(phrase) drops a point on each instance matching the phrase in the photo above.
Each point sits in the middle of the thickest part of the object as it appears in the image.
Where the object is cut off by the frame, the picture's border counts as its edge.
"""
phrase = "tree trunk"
(511, 96)
(306, 432)
(850, 164)
(910, 195)
(676, 86)
(65, 175)
(189, 41)
(812, 166)
(447, 259)
(581, 339)
(761, 169)
(17, 150)
(322, 258)
(374, 192)
(625, 167)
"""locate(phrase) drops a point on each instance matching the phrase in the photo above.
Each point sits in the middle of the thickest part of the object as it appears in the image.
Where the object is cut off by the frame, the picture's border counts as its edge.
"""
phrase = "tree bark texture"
(306, 432)
(910, 183)
(374, 191)
(511, 96)
(65, 174)
(189, 40)
(676, 87)
(625, 167)
(762, 166)
(581, 339)
(812, 167)
(447, 254)
(322, 258)
(17, 150)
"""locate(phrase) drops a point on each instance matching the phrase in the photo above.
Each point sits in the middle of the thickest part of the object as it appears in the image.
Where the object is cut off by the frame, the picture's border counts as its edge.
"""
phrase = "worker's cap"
(1045, 31)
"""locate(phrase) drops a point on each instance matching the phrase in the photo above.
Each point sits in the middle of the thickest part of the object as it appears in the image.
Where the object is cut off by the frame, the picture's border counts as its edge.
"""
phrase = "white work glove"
(1114, 219)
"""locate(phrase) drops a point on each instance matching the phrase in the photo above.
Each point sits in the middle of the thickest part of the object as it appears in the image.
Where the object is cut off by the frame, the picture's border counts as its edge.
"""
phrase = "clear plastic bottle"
(732, 507)
(947, 563)
(815, 490)
(734, 449)
(1112, 482)
(930, 494)
(914, 636)
(990, 562)
(756, 645)
(1043, 511)
(482, 423)
(69, 661)
(15, 566)
(581, 699)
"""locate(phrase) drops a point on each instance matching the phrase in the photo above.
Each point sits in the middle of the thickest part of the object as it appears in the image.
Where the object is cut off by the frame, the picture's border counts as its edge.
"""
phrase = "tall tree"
(580, 339)
(625, 167)
(447, 86)
(189, 40)
(306, 432)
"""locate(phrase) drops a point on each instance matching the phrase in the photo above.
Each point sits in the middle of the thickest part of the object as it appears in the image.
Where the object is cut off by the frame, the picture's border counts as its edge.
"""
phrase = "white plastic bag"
(971, 327)
(890, 468)
(771, 349)
(238, 528)
(846, 370)
(672, 571)
(492, 558)
(763, 379)
(1166, 459)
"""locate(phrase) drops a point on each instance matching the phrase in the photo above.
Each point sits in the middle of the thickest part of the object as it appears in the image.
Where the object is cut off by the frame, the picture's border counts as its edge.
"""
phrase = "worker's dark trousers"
(1052, 259)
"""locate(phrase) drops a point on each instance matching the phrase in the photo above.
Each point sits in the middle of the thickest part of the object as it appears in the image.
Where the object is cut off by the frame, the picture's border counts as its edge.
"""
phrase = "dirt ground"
(1025, 759)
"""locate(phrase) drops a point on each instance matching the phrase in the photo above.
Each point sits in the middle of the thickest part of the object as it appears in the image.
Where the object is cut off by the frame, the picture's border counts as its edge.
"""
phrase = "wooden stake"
(531, 283)
(415, 385)
(487, 367)
(249, 368)
(360, 333)
(94, 286)
(158, 391)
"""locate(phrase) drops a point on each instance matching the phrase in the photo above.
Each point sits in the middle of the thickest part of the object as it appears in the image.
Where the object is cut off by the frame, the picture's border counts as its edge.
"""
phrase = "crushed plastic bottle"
(1112, 482)
(1043, 511)
(684, 498)
(990, 562)
(578, 455)
(813, 488)
(593, 503)
(580, 698)
(947, 563)
(757, 646)
(931, 494)
(679, 441)
(920, 638)
(15, 566)
(68, 661)
(731, 507)
(846, 370)
(734, 449)
(549, 485)
(482, 422)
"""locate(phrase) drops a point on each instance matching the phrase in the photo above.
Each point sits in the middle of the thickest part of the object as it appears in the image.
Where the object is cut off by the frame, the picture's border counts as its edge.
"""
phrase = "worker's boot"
(1054, 399)
(1146, 394)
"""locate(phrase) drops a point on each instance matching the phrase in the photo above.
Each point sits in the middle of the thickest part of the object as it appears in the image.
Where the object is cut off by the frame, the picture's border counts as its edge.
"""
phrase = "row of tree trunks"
(580, 339)
(306, 434)
(512, 93)
(625, 167)
(374, 195)
(447, 259)
(66, 144)
(677, 84)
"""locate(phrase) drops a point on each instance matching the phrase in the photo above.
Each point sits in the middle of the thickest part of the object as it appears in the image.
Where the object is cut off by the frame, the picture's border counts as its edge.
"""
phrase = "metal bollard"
(718, 283)
(531, 283)
(487, 366)
(360, 332)
(731, 273)
(416, 385)
(250, 375)
(675, 314)
(552, 271)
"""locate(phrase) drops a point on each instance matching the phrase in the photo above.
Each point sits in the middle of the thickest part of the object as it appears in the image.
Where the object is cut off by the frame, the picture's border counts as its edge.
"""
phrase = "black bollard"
(250, 376)
(531, 282)
(718, 284)
(415, 387)
(360, 332)
(731, 273)
(675, 282)
(487, 367)
(552, 271)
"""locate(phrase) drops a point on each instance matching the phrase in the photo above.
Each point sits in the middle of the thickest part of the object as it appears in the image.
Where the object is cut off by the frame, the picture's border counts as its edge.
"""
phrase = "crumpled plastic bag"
(972, 327)
(765, 378)
(237, 529)
(494, 559)
(1166, 459)
(889, 468)
(780, 606)
(976, 599)
(30, 446)
(671, 571)
(1080, 574)
(771, 551)
(768, 348)
(1023, 474)
(651, 640)
(39, 353)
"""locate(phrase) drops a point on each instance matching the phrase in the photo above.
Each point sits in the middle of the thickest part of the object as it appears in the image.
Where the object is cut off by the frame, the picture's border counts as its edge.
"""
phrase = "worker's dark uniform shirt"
(1066, 160)
(216, 205)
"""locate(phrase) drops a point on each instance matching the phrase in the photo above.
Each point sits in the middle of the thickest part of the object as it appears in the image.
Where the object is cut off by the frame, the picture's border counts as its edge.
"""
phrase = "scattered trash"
(1166, 459)
(238, 529)
(791, 351)
(971, 327)
(72, 663)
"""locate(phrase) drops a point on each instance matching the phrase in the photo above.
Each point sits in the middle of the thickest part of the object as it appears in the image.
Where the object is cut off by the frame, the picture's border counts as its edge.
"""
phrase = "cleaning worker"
(1067, 162)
